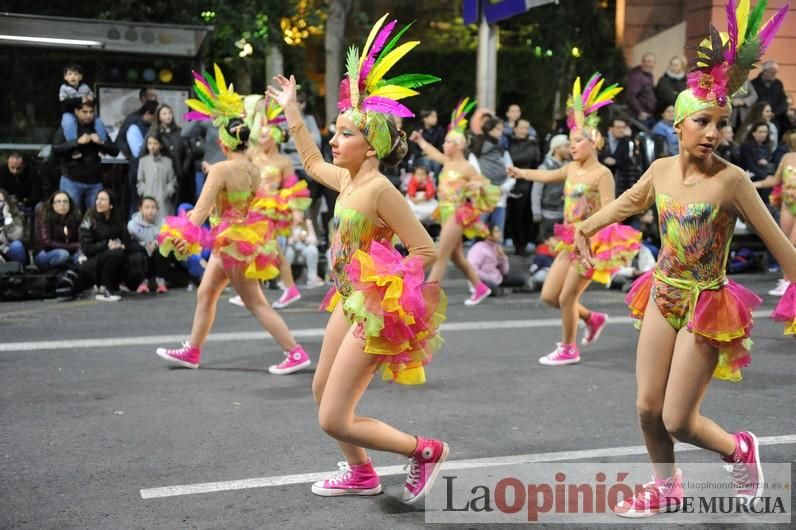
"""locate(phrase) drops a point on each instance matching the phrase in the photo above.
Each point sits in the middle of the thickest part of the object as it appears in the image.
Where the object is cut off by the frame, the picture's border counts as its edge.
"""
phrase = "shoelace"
(414, 472)
(180, 351)
(651, 492)
(283, 364)
(343, 474)
(556, 354)
(740, 473)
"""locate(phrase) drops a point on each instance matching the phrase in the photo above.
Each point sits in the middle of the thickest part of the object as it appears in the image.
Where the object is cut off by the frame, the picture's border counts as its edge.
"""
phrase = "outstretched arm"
(636, 199)
(327, 174)
(546, 176)
(429, 150)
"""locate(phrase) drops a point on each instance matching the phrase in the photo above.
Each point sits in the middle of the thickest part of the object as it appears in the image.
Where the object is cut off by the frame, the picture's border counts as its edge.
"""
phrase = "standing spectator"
(177, 148)
(156, 176)
(547, 200)
(421, 194)
(760, 111)
(665, 129)
(742, 102)
(57, 232)
(513, 114)
(136, 145)
(103, 240)
(71, 94)
(81, 170)
(616, 153)
(144, 95)
(491, 160)
(17, 181)
(203, 140)
(640, 93)
(525, 153)
(143, 254)
(672, 82)
(12, 229)
(757, 156)
(770, 89)
(302, 246)
(728, 149)
(434, 134)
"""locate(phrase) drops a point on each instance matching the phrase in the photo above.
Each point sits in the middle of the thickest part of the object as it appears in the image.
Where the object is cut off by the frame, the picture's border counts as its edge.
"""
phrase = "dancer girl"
(240, 255)
(696, 322)
(383, 314)
(464, 196)
(588, 186)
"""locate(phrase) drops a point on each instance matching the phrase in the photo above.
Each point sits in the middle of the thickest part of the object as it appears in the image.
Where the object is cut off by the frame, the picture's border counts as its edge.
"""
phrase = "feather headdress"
(582, 105)
(365, 93)
(459, 115)
(216, 102)
(724, 61)
(263, 114)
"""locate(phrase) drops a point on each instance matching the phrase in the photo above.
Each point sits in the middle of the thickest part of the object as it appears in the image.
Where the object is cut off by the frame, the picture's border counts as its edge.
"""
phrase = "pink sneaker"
(143, 288)
(594, 326)
(295, 360)
(424, 465)
(658, 496)
(288, 297)
(480, 292)
(356, 479)
(563, 354)
(744, 466)
(187, 356)
(161, 285)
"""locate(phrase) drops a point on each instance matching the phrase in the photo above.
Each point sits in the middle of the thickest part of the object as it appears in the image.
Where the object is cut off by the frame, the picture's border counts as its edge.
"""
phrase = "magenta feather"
(196, 116)
(732, 30)
(590, 86)
(598, 106)
(344, 99)
(201, 79)
(376, 47)
(386, 106)
(768, 32)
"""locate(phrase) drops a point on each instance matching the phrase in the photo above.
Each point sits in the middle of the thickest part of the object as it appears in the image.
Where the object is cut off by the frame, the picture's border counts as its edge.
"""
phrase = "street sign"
(496, 10)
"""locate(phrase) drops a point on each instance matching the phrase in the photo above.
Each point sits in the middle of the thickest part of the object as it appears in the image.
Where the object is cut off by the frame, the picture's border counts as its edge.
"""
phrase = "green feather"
(755, 19)
(201, 97)
(470, 106)
(387, 49)
(410, 80)
(749, 53)
(210, 81)
(352, 64)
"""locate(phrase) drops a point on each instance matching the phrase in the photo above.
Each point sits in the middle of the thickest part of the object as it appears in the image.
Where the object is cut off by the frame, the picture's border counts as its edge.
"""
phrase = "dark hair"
(157, 114)
(148, 106)
(478, 142)
(143, 91)
(755, 115)
(48, 213)
(237, 129)
(399, 144)
(615, 119)
(86, 103)
(73, 68)
(147, 198)
(756, 125)
(425, 113)
(114, 215)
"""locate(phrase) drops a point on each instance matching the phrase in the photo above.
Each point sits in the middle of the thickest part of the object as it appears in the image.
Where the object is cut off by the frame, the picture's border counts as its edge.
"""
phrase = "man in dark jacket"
(16, 180)
(525, 153)
(640, 93)
(81, 172)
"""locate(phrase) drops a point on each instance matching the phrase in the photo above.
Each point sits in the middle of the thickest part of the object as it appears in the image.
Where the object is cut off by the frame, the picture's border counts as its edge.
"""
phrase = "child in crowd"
(421, 193)
(144, 228)
(491, 263)
(302, 247)
(72, 93)
(156, 176)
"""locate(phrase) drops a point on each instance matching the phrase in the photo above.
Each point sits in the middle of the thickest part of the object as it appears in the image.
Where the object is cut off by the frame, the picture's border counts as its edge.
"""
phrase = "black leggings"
(141, 266)
(106, 268)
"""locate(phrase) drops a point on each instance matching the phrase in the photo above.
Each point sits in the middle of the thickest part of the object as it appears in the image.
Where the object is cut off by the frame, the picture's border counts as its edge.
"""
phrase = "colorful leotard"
(789, 189)
(277, 198)
(688, 284)
(467, 204)
(384, 295)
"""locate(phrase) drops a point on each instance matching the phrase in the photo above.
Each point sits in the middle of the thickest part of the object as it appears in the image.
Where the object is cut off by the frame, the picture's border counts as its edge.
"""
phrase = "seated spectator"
(144, 255)
(71, 94)
(757, 156)
(12, 229)
(760, 111)
(491, 263)
(302, 247)
(543, 259)
(156, 177)
(728, 149)
(421, 193)
(103, 240)
(665, 129)
(57, 232)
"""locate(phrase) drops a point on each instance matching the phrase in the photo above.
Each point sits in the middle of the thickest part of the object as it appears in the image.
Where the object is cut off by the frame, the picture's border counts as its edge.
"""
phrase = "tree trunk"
(335, 46)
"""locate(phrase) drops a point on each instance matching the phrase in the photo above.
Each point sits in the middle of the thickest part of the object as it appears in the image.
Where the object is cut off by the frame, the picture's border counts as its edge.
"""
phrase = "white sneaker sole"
(547, 362)
(293, 369)
(594, 339)
(431, 479)
(161, 352)
(476, 301)
(235, 300)
(324, 492)
(282, 305)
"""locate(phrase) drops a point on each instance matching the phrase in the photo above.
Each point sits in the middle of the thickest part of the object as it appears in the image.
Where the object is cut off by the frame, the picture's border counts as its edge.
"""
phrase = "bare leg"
(461, 262)
(573, 287)
(285, 271)
(692, 367)
(213, 282)
(350, 375)
(450, 237)
(253, 298)
(554, 283)
(653, 362)
(336, 329)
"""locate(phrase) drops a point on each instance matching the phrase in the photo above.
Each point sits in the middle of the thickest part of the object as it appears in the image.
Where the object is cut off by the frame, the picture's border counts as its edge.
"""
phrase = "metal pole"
(486, 69)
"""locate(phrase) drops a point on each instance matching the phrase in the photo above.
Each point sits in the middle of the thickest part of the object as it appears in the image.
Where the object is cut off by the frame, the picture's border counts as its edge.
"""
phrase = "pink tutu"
(178, 229)
(612, 248)
(786, 310)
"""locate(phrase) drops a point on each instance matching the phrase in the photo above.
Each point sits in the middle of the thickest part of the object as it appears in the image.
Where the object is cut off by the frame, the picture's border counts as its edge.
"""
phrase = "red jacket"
(412, 188)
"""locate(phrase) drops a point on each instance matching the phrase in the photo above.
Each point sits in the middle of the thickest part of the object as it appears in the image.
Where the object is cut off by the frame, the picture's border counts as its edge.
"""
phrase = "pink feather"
(202, 80)
(375, 48)
(590, 86)
(386, 106)
(598, 106)
(732, 30)
(768, 32)
(196, 116)
(344, 98)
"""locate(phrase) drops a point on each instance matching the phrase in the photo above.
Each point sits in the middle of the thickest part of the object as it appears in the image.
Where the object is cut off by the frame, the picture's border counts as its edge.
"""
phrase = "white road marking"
(305, 478)
(239, 336)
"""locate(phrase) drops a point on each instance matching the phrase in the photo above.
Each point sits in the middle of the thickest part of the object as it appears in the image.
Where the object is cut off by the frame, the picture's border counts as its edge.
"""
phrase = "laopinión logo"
(736, 505)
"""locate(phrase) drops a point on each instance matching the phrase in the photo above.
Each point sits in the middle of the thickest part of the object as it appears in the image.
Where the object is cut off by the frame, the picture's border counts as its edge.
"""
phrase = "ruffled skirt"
(612, 248)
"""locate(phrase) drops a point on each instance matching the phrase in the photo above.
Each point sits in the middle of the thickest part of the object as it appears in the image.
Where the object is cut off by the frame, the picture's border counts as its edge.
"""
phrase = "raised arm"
(546, 176)
(750, 206)
(428, 149)
(327, 174)
(207, 199)
(636, 199)
(396, 213)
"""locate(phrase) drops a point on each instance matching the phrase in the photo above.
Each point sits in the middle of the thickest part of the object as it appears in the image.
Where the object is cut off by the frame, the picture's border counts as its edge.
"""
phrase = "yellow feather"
(197, 105)
(388, 62)
(609, 94)
(373, 32)
(394, 92)
(742, 15)
(220, 81)
(200, 87)
(576, 88)
(594, 93)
